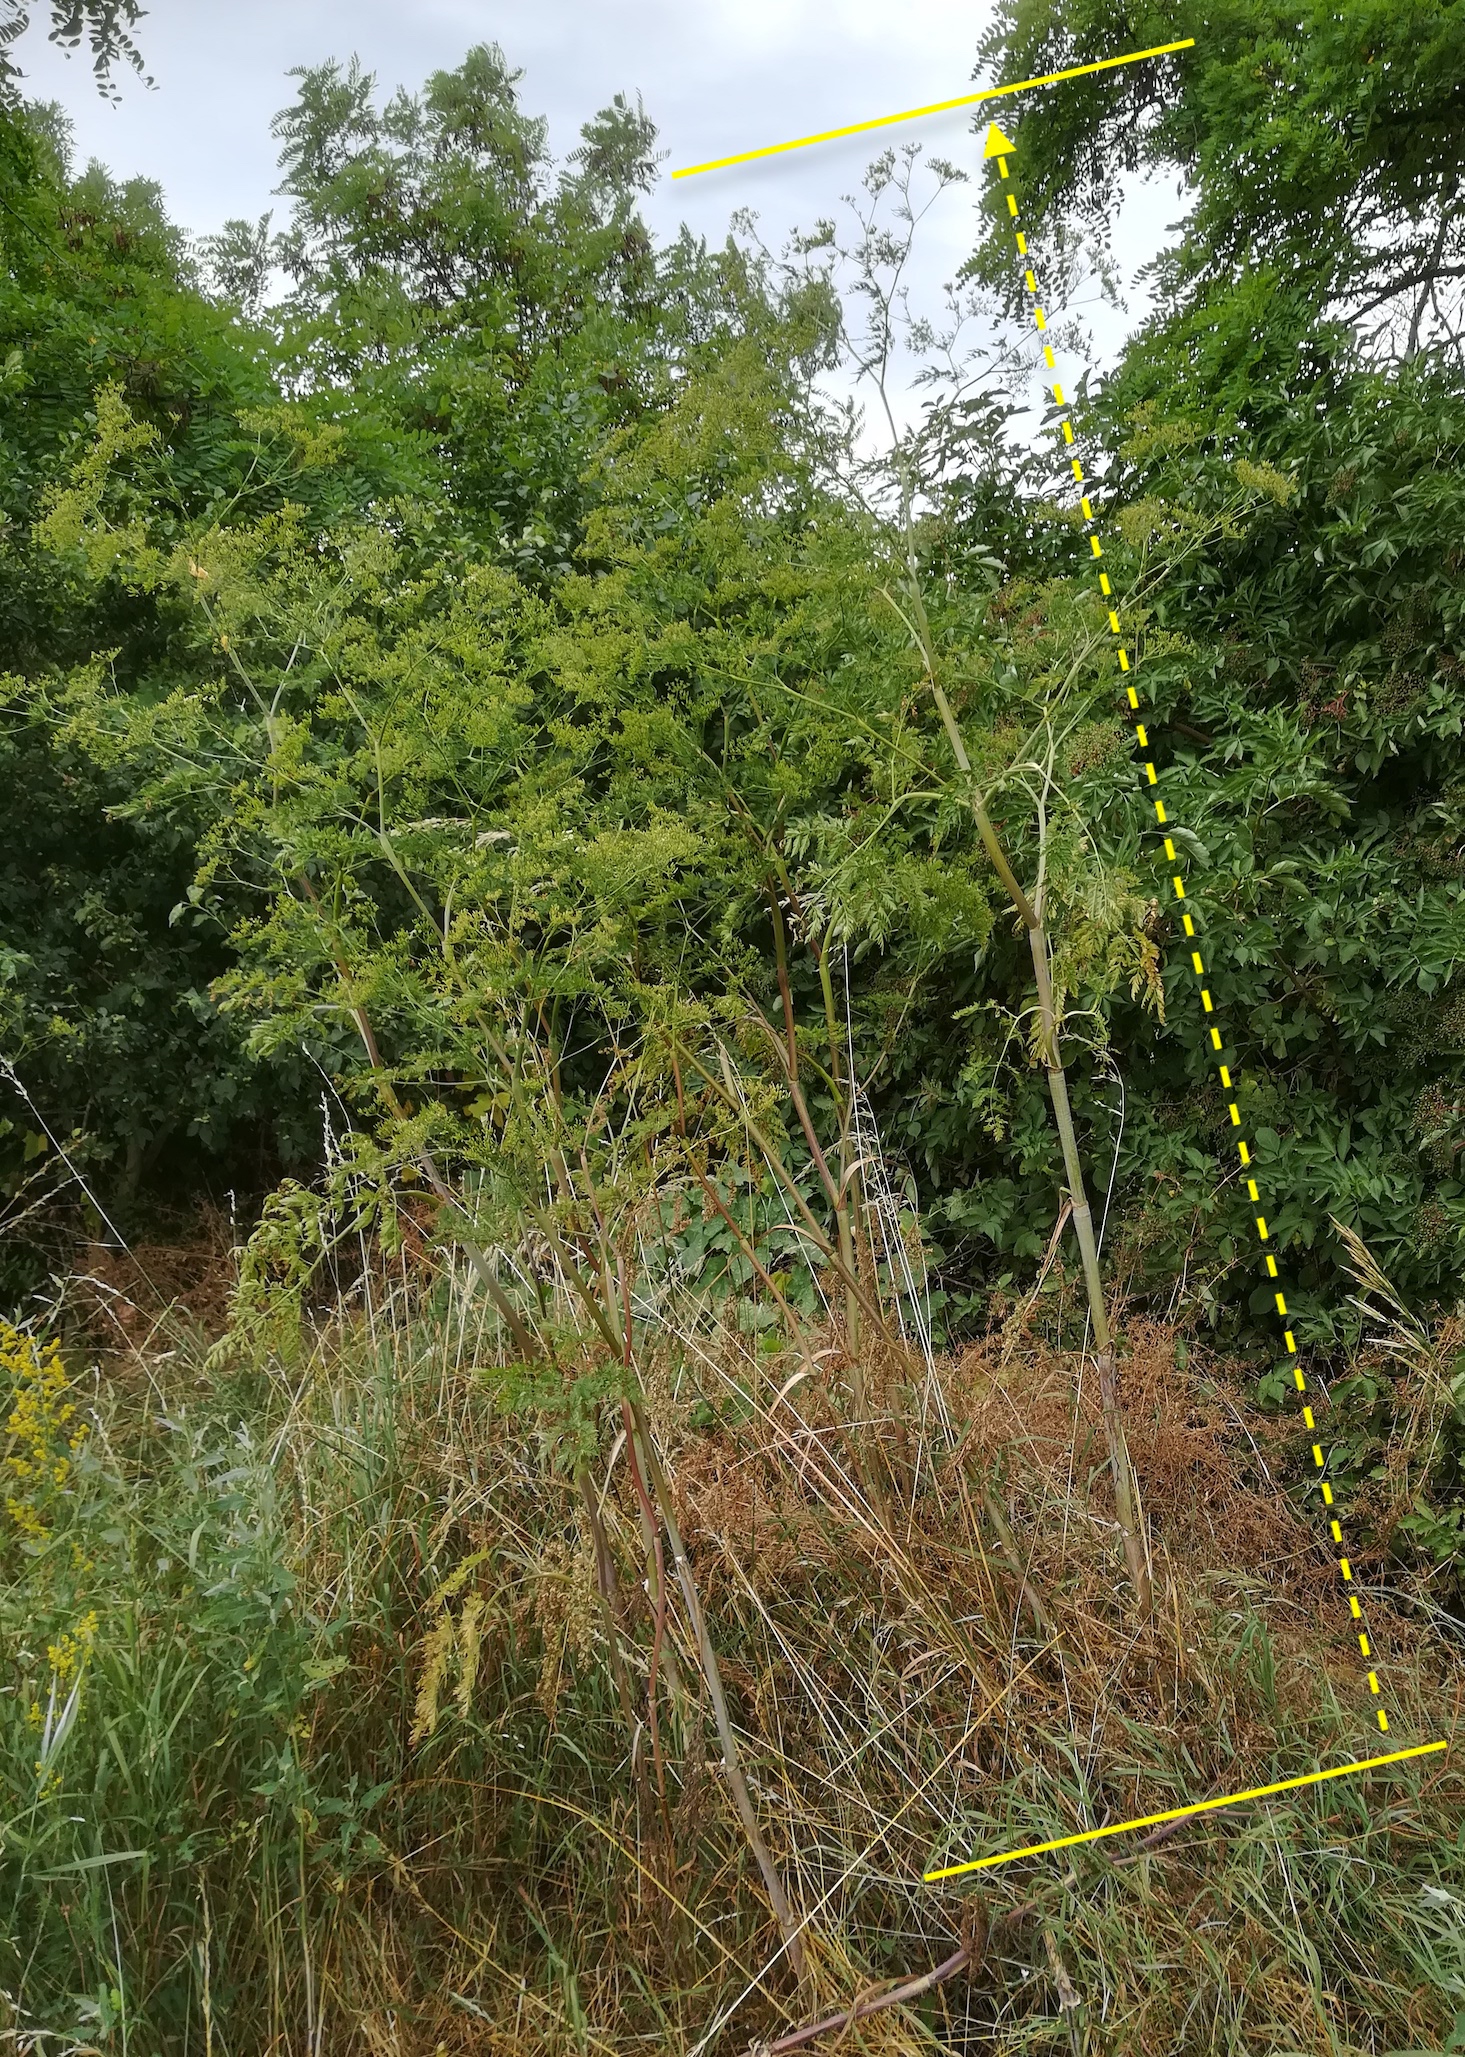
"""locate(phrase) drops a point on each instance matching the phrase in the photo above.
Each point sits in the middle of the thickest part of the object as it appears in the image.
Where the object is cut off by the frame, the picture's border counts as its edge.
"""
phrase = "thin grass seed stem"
(675, 1685)
(1026, 1591)
(801, 1108)
(844, 1198)
(790, 1927)
(658, 1635)
(608, 1596)
(577, 1285)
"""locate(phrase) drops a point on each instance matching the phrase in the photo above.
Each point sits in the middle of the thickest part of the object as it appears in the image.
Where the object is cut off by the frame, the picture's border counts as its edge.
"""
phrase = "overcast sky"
(716, 76)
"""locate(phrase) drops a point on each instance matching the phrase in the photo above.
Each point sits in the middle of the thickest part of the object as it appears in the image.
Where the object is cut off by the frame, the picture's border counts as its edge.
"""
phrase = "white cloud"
(723, 76)
(716, 78)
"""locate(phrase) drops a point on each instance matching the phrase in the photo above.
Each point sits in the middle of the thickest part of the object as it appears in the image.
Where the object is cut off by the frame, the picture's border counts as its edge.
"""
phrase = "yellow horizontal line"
(1118, 1828)
(881, 121)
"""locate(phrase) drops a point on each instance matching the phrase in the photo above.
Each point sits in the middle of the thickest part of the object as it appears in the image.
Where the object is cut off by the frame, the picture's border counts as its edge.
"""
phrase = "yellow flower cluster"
(70, 1653)
(68, 1657)
(43, 1435)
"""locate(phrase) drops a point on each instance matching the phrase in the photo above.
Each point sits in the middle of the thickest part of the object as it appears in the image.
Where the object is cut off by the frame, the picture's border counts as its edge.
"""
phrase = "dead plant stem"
(1030, 911)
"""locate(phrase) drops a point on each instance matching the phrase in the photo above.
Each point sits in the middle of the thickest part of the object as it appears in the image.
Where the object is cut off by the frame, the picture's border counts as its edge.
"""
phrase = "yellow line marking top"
(1118, 1828)
(882, 121)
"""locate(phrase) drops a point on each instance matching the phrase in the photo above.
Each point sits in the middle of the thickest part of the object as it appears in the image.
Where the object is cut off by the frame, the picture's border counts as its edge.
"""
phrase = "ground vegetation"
(630, 1316)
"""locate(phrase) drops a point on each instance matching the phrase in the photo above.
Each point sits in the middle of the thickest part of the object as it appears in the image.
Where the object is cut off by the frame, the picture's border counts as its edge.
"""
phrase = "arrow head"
(998, 145)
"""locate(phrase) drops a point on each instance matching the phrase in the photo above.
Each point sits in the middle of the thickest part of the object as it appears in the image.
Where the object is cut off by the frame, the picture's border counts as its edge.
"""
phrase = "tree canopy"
(1317, 153)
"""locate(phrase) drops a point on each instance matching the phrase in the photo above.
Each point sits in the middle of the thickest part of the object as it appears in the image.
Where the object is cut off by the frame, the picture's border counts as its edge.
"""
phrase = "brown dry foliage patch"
(1210, 1466)
(123, 1295)
(912, 1562)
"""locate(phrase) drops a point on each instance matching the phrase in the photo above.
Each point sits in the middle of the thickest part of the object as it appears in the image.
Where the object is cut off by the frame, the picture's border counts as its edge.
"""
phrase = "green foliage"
(502, 692)
(135, 412)
(105, 1005)
(498, 314)
(1302, 679)
(1320, 150)
(477, 815)
(490, 683)
(105, 25)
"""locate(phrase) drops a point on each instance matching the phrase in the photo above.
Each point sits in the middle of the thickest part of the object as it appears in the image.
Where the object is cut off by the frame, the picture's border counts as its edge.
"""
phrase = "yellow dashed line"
(1233, 1108)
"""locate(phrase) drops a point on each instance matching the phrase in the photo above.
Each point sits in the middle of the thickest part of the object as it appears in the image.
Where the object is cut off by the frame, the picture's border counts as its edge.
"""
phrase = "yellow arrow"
(859, 128)
(998, 145)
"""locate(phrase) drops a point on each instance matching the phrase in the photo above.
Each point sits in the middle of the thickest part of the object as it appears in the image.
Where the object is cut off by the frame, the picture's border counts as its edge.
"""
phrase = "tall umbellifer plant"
(445, 951)
(895, 482)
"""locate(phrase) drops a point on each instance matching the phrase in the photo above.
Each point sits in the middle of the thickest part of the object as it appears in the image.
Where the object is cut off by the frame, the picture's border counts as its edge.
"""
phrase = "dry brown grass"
(928, 1645)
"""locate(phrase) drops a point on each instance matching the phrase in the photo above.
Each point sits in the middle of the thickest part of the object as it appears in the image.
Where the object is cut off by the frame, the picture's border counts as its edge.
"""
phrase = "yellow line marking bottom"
(1118, 1828)
(881, 121)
